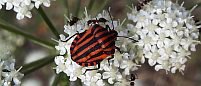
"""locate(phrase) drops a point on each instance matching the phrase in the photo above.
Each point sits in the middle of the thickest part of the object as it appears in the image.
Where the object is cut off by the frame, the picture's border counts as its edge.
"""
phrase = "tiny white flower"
(27, 2)
(11, 3)
(76, 73)
(111, 73)
(2, 2)
(11, 75)
(166, 33)
(23, 10)
(39, 2)
(93, 78)
(128, 65)
(63, 46)
(60, 62)
(122, 82)
(23, 7)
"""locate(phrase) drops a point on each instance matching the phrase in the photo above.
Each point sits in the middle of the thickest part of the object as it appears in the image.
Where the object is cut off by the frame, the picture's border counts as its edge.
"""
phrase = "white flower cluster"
(114, 72)
(23, 7)
(166, 34)
(9, 75)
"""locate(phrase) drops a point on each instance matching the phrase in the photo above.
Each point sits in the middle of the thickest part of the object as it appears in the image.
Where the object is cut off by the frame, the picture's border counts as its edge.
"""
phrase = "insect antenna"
(129, 38)
(71, 36)
(111, 19)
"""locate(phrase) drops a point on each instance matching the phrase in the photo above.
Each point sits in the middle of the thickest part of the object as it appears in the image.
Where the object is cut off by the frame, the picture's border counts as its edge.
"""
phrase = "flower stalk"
(90, 5)
(103, 5)
(15, 30)
(31, 67)
(78, 8)
(67, 10)
(61, 77)
(48, 22)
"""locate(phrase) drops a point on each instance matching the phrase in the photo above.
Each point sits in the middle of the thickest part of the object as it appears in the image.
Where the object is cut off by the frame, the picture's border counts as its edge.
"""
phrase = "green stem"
(199, 4)
(78, 8)
(16, 30)
(67, 11)
(56, 80)
(31, 67)
(61, 79)
(90, 5)
(105, 3)
(78, 82)
(48, 22)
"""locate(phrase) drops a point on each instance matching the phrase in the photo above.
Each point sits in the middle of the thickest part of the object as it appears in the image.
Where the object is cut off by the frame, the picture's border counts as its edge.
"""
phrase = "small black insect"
(73, 21)
(141, 4)
(96, 21)
(133, 77)
(5, 70)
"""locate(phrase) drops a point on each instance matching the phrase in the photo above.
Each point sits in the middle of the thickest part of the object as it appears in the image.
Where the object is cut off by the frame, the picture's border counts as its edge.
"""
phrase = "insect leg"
(5, 70)
(118, 49)
(71, 37)
(110, 59)
(111, 19)
(107, 27)
(93, 69)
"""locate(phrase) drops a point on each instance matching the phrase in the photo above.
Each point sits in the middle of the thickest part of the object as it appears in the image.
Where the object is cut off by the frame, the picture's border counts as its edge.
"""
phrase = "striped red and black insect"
(92, 46)
(95, 44)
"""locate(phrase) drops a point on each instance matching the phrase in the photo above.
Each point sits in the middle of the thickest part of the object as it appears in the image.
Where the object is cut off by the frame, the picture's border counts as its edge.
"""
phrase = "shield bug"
(92, 46)
(95, 44)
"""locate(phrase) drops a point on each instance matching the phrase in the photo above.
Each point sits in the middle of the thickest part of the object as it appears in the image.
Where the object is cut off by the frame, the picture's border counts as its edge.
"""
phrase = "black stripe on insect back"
(100, 30)
(89, 35)
(103, 35)
(93, 40)
(73, 45)
(89, 63)
(97, 46)
(84, 47)
(108, 35)
(110, 45)
(96, 55)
